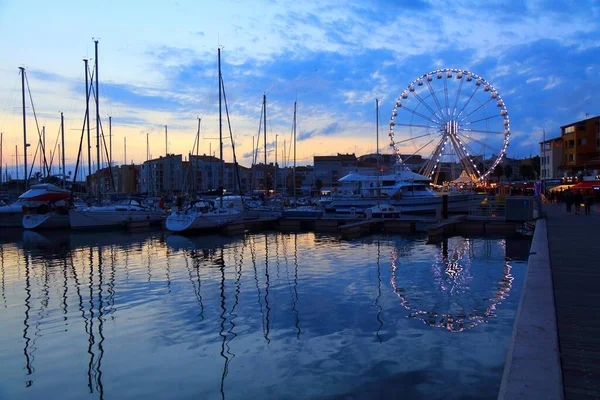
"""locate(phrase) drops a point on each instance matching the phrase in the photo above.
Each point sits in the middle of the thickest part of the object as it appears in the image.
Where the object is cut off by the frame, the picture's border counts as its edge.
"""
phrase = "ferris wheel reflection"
(454, 292)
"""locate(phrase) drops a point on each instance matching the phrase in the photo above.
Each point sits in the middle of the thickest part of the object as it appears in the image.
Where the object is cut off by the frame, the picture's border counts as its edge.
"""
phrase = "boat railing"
(489, 206)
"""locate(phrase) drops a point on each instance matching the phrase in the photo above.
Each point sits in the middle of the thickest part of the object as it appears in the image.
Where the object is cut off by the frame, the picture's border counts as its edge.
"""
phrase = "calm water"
(265, 316)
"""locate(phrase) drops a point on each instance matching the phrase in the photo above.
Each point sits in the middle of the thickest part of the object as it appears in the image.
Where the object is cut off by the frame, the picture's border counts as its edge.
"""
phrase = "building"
(163, 175)
(202, 173)
(329, 169)
(581, 147)
(551, 158)
(230, 179)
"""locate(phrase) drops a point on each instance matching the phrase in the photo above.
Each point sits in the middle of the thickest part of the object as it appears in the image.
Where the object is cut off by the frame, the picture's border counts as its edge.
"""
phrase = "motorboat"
(42, 206)
(45, 206)
(403, 189)
(382, 211)
(202, 215)
(124, 213)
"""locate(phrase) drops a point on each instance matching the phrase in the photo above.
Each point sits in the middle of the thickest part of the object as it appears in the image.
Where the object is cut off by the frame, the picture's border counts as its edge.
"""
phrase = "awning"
(587, 185)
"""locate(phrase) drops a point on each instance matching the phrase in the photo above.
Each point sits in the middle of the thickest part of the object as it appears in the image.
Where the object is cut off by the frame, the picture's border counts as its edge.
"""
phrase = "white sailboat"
(126, 212)
(206, 214)
(202, 215)
(299, 211)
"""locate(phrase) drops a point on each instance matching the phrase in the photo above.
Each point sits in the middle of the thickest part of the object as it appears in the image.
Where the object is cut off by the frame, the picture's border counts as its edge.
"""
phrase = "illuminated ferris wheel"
(453, 119)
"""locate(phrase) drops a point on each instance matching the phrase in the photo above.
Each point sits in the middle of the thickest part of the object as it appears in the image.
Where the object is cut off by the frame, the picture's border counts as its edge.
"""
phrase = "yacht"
(404, 189)
(124, 213)
(202, 215)
(42, 206)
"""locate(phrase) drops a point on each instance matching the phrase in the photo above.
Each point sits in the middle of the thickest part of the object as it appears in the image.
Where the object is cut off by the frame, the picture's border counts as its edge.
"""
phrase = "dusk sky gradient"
(158, 66)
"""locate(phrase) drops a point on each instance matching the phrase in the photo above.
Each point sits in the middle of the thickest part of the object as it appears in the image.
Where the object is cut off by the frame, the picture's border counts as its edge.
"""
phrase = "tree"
(535, 163)
(508, 172)
(498, 171)
(527, 171)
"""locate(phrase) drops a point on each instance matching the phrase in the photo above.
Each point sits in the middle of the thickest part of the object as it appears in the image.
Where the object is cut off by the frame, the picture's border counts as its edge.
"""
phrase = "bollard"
(445, 206)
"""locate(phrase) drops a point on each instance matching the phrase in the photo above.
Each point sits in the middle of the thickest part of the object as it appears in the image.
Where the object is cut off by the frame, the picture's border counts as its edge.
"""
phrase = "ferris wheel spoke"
(410, 110)
(447, 109)
(421, 148)
(472, 139)
(463, 156)
(468, 101)
(437, 102)
(429, 166)
(483, 119)
(481, 131)
(457, 96)
(417, 126)
(416, 137)
(431, 110)
(477, 109)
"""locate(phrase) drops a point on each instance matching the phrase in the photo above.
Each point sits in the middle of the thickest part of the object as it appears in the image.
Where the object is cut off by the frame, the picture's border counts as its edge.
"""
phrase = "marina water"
(270, 316)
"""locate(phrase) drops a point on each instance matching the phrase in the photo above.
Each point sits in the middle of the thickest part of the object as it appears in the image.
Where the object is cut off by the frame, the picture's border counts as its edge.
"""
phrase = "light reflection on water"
(270, 315)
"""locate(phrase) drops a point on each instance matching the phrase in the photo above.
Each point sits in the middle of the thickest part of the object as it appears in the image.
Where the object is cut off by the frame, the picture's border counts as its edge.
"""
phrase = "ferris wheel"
(449, 121)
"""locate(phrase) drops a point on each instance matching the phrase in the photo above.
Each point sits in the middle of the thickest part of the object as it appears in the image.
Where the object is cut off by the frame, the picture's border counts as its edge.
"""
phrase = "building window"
(569, 129)
(571, 157)
(581, 141)
(571, 143)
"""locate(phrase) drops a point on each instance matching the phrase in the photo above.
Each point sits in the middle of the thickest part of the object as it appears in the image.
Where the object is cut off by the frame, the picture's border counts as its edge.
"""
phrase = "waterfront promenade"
(574, 244)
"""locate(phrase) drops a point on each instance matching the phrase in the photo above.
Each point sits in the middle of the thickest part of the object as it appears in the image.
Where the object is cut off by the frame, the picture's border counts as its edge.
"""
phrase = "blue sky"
(158, 67)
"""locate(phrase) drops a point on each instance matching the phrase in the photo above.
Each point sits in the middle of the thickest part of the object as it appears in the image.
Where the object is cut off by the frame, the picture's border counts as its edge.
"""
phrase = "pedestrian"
(161, 203)
(578, 199)
(568, 197)
(588, 200)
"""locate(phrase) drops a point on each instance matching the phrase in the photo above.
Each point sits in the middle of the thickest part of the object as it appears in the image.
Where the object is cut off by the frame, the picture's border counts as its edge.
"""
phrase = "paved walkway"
(574, 243)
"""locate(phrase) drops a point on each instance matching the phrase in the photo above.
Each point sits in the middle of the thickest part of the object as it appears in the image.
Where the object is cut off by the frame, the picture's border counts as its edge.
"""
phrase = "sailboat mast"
(265, 140)
(220, 130)
(275, 174)
(87, 116)
(377, 122)
(166, 143)
(62, 139)
(24, 129)
(294, 174)
(110, 141)
(97, 111)
(125, 150)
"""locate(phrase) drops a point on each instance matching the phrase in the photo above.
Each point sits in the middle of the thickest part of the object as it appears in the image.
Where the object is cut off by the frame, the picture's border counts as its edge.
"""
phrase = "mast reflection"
(27, 351)
(379, 308)
(267, 283)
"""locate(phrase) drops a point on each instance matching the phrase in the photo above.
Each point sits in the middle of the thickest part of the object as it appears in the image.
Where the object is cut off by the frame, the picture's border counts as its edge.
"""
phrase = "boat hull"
(182, 222)
(11, 217)
(90, 219)
(45, 221)
(416, 204)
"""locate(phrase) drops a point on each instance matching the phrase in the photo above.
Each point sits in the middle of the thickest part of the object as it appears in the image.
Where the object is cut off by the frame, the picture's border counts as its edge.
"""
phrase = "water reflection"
(306, 314)
(451, 300)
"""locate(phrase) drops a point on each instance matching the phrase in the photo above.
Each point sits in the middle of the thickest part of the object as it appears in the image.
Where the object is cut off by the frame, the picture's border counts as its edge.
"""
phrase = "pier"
(555, 349)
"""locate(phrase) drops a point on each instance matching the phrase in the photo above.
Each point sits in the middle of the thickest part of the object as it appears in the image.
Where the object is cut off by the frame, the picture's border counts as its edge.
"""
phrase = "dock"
(555, 348)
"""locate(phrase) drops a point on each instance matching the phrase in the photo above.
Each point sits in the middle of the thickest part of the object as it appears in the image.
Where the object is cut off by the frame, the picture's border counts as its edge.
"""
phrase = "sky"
(158, 66)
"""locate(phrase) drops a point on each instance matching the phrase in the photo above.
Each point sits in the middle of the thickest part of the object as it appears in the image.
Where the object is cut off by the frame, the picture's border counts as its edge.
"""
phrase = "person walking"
(578, 199)
(568, 197)
(588, 200)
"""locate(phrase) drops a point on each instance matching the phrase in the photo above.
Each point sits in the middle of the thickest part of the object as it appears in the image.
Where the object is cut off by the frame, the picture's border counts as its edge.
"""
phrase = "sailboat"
(127, 212)
(299, 211)
(206, 214)
(380, 210)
